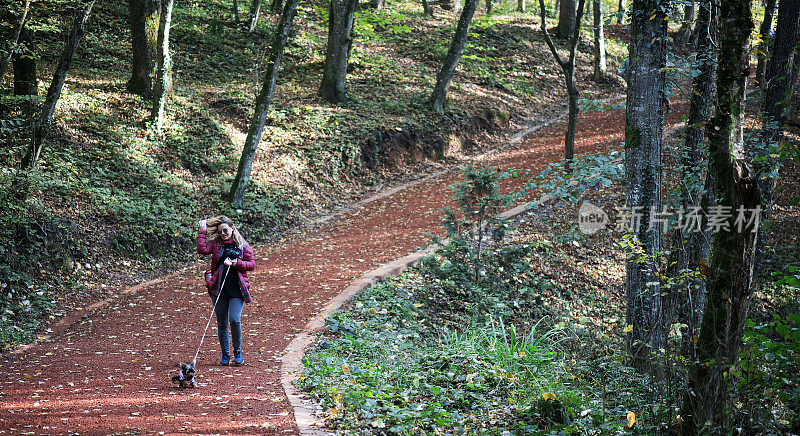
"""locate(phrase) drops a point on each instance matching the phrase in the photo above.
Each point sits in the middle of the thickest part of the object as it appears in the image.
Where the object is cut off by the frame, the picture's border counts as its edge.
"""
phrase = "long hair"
(213, 230)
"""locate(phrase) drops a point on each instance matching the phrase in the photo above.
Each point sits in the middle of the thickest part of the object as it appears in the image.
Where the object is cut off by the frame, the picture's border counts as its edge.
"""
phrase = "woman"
(231, 258)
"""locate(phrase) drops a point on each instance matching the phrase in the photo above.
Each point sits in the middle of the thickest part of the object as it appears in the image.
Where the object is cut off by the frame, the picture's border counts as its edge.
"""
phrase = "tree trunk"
(426, 8)
(53, 93)
(24, 65)
(566, 19)
(14, 41)
(436, 100)
(236, 17)
(793, 76)
(733, 254)
(143, 18)
(689, 246)
(521, 6)
(255, 11)
(340, 40)
(621, 7)
(778, 94)
(239, 187)
(766, 41)
(684, 35)
(568, 69)
(163, 66)
(643, 141)
(599, 42)
(488, 7)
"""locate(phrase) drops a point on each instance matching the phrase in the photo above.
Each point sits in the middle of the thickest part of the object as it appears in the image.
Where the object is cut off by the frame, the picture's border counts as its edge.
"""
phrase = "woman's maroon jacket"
(214, 248)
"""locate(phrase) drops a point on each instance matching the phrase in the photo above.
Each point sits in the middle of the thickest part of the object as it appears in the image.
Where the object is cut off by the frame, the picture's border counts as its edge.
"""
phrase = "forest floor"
(108, 371)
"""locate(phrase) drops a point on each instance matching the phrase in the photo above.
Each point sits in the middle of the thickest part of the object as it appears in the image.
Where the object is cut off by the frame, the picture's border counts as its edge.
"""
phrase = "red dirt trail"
(108, 373)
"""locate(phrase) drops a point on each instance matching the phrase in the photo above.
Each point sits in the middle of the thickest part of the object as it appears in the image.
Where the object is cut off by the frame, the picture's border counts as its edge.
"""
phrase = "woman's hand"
(229, 261)
(202, 225)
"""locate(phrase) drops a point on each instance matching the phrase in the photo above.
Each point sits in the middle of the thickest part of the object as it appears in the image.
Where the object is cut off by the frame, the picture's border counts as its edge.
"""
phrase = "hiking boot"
(237, 357)
(226, 359)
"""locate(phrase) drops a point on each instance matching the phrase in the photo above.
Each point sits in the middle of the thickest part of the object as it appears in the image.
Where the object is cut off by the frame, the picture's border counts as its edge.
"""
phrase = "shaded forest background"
(112, 203)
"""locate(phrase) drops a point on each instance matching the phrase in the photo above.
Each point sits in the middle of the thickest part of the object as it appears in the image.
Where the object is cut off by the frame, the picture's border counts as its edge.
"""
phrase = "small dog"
(185, 378)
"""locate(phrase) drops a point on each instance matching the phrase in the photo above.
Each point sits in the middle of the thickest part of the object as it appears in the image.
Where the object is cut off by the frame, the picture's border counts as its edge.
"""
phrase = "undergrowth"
(464, 344)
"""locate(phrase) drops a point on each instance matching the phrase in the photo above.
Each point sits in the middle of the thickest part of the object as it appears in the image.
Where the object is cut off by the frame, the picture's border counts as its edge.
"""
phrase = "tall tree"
(445, 76)
(488, 7)
(143, 17)
(235, 6)
(279, 41)
(733, 253)
(24, 65)
(163, 66)
(426, 8)
(340, 40)
(45, 119)
(684, 35)
(521, 6)
(765, 32)
(13, 42)
(568, 69)
(643, 141)
(599, 41)
(567, 13)
(255, 11)
(622, 6)
(689, 246)
(776, 99)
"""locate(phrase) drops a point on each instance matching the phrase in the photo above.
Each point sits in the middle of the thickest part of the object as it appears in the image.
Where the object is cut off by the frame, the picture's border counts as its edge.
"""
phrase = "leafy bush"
(768, 375)
(35, 245)
(476, 266)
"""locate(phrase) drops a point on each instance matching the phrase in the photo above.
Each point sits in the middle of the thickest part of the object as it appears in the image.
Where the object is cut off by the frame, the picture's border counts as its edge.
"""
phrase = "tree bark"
(488, 7)
(643, 141)
(436, 100)
(340, 40)
(53, 93)
(567, 13)
(11, 47)
(621, 7)
(521, 6)
(264, 99)
(235, 7)
(600, 67)
(732, 272)
(255, 11)
(684, 35)
(568, 69)
(766, 41)
(688, 245)
(143, 19)
(163, 67)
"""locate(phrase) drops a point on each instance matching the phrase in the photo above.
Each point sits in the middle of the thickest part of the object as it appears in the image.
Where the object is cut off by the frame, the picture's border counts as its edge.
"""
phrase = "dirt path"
(109, 371)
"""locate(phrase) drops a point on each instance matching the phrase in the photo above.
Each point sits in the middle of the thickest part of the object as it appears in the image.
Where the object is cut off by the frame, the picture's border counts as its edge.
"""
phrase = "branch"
(547, 36)
(577, 34)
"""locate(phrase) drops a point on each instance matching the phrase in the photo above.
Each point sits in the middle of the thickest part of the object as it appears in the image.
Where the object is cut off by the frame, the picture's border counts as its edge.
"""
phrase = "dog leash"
(221, 287)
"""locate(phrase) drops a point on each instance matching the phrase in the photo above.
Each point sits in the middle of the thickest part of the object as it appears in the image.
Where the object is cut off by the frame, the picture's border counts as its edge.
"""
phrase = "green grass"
(386, 366)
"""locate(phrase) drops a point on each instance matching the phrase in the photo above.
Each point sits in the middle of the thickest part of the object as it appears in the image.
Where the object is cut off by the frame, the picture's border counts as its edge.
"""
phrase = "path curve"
(108, 372)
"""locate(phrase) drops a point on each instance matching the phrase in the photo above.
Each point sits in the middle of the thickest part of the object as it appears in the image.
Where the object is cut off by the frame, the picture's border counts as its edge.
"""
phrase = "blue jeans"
(229, 310)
